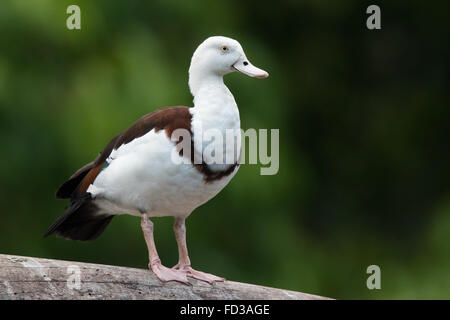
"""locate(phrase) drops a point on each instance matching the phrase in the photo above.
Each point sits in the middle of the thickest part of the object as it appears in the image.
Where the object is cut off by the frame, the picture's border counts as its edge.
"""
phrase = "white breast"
(215, 109)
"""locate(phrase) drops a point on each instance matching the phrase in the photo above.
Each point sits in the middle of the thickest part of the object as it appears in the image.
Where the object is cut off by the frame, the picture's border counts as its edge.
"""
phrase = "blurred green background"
(364, 136)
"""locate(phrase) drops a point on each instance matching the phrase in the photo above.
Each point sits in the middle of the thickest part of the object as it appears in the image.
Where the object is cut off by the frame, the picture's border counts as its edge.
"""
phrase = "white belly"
(143, 178)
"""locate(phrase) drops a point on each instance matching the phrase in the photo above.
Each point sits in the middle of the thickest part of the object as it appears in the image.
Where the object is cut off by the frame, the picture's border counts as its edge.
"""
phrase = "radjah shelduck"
(138, 173)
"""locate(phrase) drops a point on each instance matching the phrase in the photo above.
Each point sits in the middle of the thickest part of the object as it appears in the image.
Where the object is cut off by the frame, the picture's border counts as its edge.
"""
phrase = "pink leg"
(184, 263)
(162, 272)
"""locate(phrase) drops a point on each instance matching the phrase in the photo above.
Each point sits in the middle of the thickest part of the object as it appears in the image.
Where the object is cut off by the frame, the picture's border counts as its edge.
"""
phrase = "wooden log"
(37, 278)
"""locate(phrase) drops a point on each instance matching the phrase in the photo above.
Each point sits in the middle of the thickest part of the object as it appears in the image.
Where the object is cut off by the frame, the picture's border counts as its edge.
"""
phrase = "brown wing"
(168, 119)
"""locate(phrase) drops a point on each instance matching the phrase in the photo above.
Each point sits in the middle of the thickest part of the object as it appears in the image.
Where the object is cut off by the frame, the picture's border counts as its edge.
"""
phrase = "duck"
(159, 166)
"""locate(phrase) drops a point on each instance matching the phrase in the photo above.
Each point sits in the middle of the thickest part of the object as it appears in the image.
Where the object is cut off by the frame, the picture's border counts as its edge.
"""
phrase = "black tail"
(83, 220)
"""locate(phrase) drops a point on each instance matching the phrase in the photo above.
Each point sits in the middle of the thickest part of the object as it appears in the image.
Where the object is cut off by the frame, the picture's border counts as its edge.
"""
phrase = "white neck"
(211, 93)
(197, 80)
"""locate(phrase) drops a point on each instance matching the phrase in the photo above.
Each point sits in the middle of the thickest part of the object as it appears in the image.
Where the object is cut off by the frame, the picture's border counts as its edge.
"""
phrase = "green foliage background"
(364, 136)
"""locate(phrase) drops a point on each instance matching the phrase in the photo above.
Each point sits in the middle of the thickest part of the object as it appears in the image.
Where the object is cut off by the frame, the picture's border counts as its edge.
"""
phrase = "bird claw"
(199, 275)
(167, 274)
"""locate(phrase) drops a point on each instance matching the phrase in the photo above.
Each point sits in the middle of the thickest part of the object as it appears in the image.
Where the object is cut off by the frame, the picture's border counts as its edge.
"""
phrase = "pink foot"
(166, 274)
(203, 276)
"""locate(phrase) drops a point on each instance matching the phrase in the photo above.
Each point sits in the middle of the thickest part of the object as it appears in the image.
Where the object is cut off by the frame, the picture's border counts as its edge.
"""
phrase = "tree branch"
(37, 278)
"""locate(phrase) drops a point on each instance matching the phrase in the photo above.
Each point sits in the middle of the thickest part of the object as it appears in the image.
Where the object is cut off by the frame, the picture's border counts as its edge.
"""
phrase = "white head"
(217, 56)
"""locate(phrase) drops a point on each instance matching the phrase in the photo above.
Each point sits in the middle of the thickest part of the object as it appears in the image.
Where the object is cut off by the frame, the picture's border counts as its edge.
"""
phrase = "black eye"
(245, 63)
